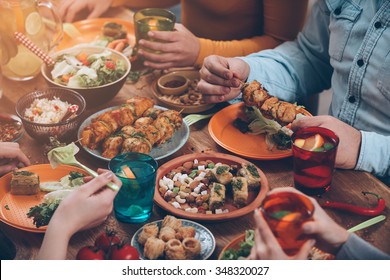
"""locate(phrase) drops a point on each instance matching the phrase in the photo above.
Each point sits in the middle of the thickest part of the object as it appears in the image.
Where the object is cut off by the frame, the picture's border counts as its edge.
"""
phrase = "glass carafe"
(39, 22)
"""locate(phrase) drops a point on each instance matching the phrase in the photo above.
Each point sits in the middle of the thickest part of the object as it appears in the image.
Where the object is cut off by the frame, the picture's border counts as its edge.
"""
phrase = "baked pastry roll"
(221, 173)
(217, 196)
(249, 171)
(184, 232)
(167, 233)
(149, 230)
(154, 248)
(170, 221)
(240, 191)
(191, 247)
(24, 183)
(174, 250)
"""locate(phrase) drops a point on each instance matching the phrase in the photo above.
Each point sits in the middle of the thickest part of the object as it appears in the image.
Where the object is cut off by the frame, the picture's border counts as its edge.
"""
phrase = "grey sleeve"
(357, 249)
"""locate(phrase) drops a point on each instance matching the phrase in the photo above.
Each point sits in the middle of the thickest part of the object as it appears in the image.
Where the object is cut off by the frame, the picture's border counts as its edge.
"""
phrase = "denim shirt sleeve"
(296, 69)
(374, 154)
(357, 249)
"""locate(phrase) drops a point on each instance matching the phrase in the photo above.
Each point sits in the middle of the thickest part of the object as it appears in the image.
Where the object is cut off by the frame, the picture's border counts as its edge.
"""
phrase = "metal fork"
(193, 118)
(61, 155)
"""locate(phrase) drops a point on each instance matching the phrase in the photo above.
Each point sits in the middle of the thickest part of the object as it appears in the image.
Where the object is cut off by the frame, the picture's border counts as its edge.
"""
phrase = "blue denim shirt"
(344, 45)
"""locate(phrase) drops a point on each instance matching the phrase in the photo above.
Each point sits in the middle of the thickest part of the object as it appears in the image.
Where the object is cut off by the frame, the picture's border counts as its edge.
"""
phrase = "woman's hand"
(179, 48)
(70, 8)
(85, 207)
(221, 78)
(11, 157)
(89, 205)
(350, 138)
(328, 235)
(267, 247)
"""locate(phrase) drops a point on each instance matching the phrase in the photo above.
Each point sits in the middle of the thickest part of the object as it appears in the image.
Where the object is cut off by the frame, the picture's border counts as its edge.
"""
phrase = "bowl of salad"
(97, 73)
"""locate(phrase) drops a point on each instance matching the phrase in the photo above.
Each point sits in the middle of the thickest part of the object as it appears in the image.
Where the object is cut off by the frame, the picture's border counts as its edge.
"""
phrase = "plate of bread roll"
(173, 239)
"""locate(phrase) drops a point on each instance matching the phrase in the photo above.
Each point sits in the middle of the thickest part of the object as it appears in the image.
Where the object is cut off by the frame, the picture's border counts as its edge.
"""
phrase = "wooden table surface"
(346, 186)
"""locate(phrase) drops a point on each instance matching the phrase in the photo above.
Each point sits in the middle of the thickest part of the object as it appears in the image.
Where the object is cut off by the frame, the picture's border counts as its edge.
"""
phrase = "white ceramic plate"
(177, 141)
(204, 235)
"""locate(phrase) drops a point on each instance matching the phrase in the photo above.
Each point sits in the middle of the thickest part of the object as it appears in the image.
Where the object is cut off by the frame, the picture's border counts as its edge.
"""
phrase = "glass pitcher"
(39, 22)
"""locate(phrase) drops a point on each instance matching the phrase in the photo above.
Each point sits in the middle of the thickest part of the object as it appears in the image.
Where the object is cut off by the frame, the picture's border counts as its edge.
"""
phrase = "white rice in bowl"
(46, 111)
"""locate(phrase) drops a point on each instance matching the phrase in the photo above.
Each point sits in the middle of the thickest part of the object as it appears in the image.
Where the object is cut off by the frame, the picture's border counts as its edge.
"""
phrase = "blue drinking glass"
(134, 201)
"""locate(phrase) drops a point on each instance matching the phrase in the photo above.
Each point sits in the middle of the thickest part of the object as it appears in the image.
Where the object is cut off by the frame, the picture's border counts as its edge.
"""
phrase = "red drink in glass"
(314, 163)
(285, 212)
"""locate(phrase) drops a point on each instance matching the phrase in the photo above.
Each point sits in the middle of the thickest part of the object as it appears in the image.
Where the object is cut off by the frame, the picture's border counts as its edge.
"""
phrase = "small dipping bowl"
(172, 84)
(11, 128)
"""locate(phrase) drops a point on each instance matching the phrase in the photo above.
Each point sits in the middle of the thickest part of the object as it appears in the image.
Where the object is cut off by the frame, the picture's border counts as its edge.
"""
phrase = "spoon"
(72, 110)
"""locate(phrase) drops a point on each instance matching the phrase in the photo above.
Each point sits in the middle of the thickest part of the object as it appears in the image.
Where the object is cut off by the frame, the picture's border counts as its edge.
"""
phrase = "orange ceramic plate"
(226, 135)
(90, 30)
(254, 200)
(14, 208)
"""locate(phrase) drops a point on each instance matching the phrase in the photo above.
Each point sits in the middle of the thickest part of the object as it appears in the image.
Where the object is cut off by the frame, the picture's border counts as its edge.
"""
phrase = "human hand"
(87, 206)
(70, 8)
(11, 157)
(350, 138)
(179, 48)
(221, 78)
(328, 234)
(266, 246)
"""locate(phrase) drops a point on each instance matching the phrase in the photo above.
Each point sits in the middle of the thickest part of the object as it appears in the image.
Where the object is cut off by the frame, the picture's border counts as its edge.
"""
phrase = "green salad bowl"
(93, 95)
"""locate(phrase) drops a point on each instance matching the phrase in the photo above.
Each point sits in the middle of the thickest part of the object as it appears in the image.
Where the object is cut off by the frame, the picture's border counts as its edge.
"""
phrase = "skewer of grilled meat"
(143, 134)
(109, 122)
(254, 94)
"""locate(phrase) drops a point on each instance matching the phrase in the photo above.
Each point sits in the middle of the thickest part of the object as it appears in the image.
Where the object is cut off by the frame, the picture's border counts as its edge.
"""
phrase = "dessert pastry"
(154, 248)
(24, 183)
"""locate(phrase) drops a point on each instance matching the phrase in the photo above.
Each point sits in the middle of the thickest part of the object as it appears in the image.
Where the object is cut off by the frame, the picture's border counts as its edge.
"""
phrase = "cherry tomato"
(106, 239)
(110, 65)
(90, 253)
(124, 252)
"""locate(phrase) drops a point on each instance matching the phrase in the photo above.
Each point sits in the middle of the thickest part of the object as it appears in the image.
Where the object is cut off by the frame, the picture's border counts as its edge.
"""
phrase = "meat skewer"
(144, 133)
(109, 122)
(254, 94)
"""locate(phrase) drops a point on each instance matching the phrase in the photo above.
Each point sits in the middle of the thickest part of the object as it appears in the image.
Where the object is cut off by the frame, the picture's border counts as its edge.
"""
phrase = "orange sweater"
(235, 28)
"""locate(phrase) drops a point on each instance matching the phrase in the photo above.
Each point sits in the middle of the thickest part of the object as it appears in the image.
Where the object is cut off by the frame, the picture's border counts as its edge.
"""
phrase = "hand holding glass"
(152, 19)
(285, 213)
(314, 154)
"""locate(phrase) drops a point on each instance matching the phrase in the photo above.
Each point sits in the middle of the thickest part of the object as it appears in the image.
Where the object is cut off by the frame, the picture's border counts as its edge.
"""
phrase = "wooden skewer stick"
(243, 85)
(78, 140)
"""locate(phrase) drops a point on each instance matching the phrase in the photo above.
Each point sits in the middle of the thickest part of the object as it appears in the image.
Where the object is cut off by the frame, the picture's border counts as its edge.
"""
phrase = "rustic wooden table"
(347, 185)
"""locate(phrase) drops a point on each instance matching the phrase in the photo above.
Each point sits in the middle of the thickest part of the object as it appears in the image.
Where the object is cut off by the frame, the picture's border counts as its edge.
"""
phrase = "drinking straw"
(34, 48)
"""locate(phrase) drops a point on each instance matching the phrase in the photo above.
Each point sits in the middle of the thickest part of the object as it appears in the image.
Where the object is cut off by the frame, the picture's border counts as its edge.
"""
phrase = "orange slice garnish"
(311, 143)
(129, 174)
(299, 142)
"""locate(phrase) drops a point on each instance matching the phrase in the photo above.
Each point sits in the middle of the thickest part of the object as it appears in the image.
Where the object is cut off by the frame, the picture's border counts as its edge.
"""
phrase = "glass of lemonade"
(314, 154)
(152, 19)
(137, 171)
(17, 62)
(285, 212)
